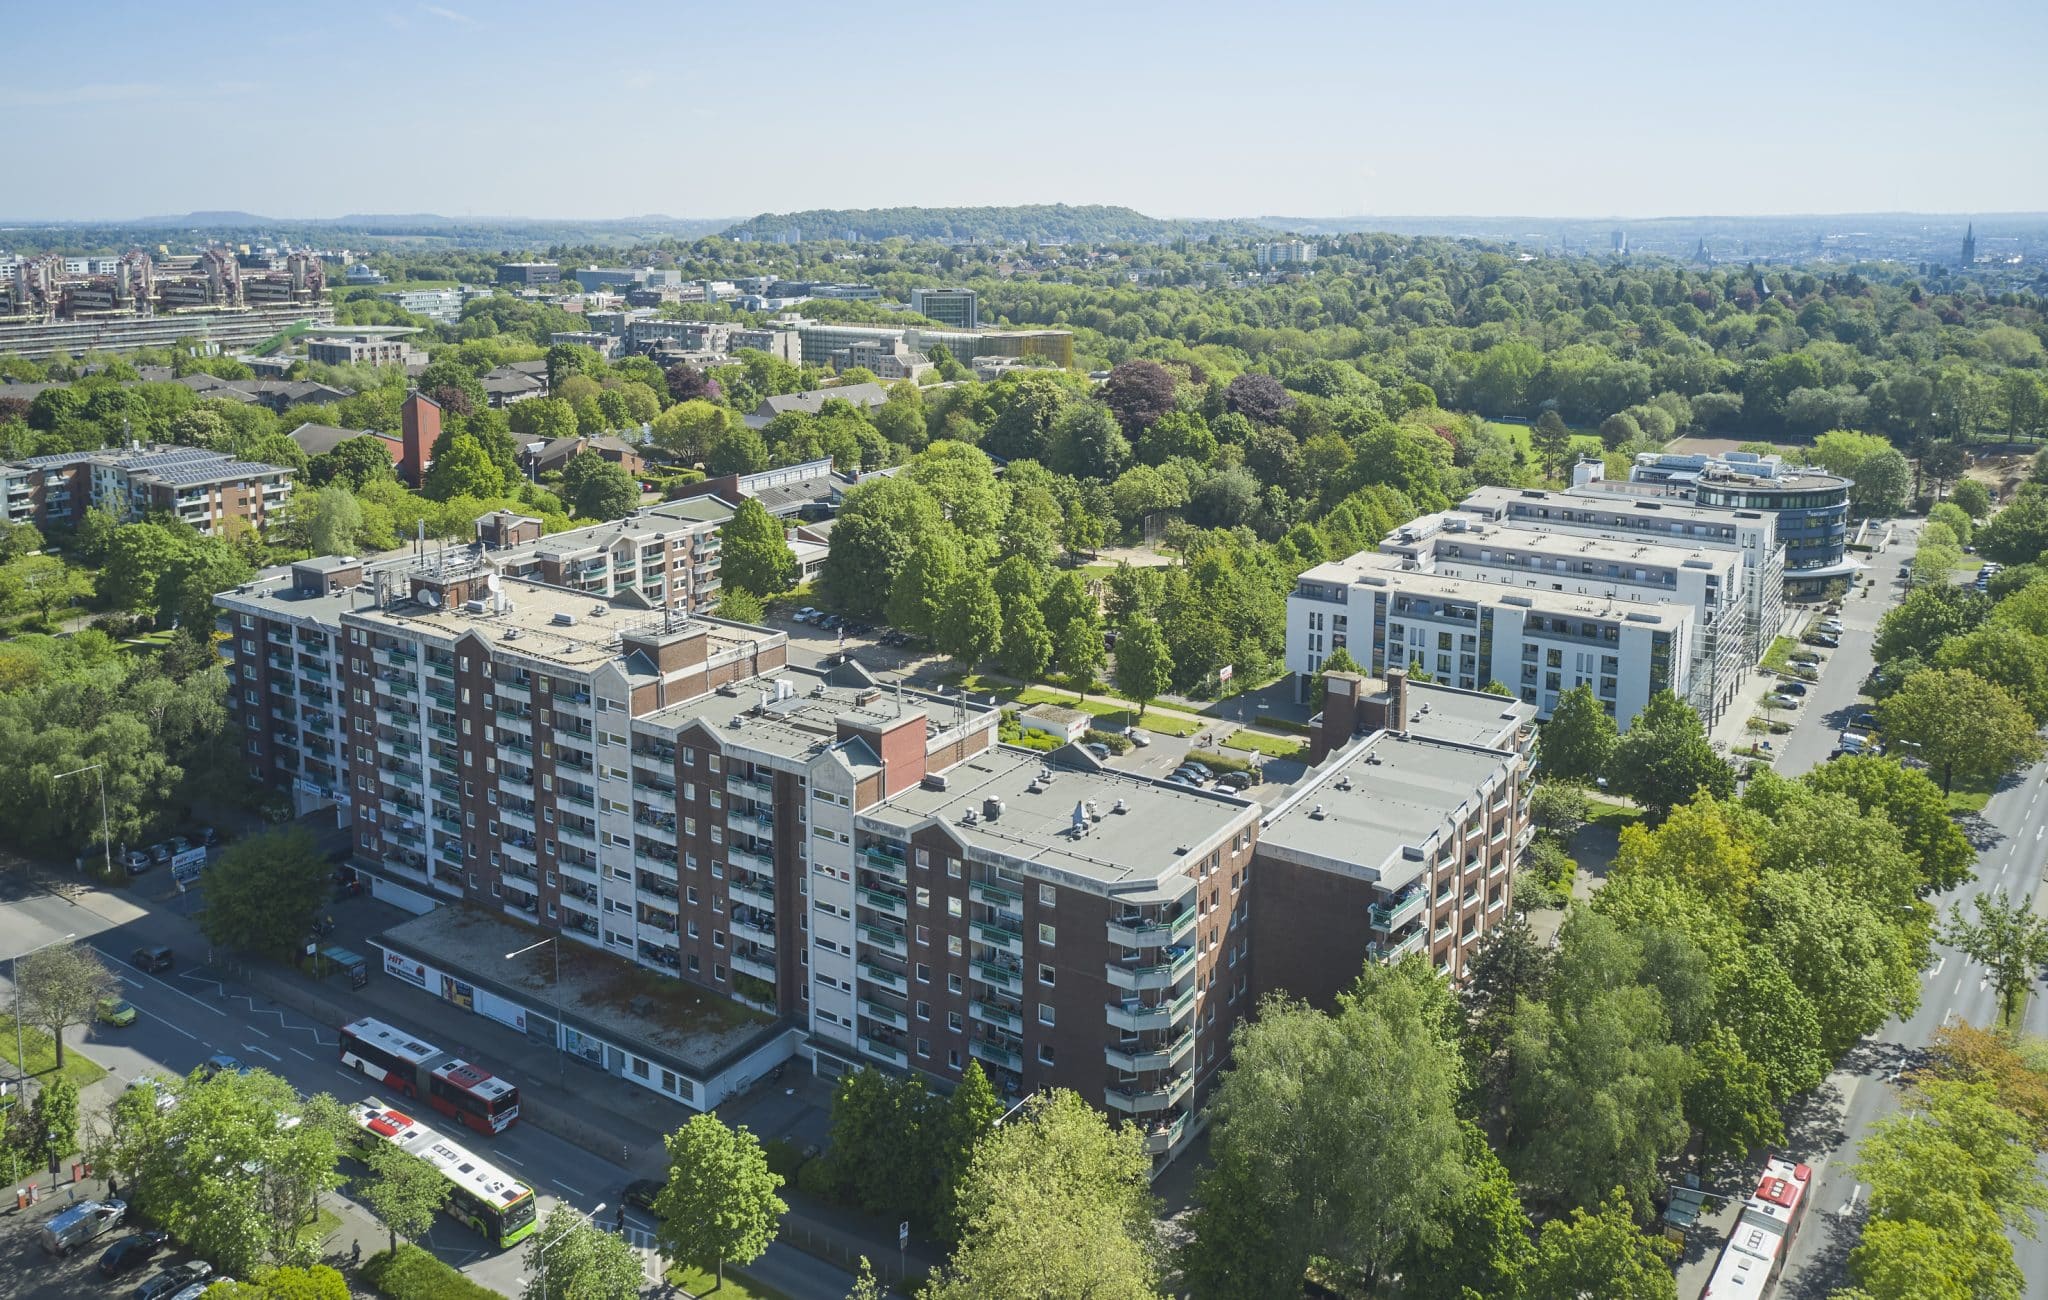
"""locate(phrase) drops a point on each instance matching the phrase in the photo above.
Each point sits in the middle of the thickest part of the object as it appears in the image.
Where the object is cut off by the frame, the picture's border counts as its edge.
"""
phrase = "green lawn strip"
(1600, 812)
(1270, 746)
(1967, 800)
(737, 1285)
(1110, 712)
(42, 1055)
(1779, 657)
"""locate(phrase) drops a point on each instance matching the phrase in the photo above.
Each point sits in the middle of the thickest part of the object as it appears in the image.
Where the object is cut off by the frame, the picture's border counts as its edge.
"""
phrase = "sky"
(613, 108)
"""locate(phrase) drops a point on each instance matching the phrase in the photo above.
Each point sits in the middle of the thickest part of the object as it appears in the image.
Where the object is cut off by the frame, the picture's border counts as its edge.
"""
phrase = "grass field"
(1779, 657)
(1270, 746)
(700, 1283)
(1614, 816)
(42, 1054)
(1519, 435)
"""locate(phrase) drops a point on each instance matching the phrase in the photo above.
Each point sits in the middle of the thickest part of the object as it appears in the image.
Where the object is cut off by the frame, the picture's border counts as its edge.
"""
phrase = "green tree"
(969, 625)
(736, 449)
(919, 597)
(137, 557)
(596, 488)
(1972, 498)
(1665, 758)
(1600, 1253)
(548, 418)
(1487, 1242)
(719, 1203)
(741, 606)
(1378, 1084)
(1857, 964)
(2006, 656)
(755, 554)
(1055, 1203)
(1928, 616)
(402, 1190)
(42, 583)
(1578, 742)
(570, 1258)
(204, 568)
(315, 1282)
(264, 893)
(1027, 646)
(1552, 442)
(1912, 803)
(1144, 666)
(53, 1120)
(1955, 517)
(881, 525)
(1079, 652)
(866, 1286)
(353, 462)
(2007, 938)
(1961, 725)
(1337, 661)
(464, 469)
(333, 520)
(1728, 1100)
(687, 429)
(1560, 808)
(971, 1115)
(60, 986)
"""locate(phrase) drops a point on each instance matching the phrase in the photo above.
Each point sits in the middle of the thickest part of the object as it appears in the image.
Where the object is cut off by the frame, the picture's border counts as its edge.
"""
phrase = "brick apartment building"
(203, 488)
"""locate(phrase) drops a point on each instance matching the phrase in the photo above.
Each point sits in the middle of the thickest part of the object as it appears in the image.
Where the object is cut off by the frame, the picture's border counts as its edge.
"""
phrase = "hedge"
(410, 1273)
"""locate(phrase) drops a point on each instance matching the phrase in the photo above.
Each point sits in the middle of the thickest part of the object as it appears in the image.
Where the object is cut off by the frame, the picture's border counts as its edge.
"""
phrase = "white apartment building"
(1285, 252)
(1473, 603)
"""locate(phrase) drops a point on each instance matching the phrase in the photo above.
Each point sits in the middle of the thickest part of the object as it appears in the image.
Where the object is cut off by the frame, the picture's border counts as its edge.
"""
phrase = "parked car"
(179, 844)
(1187, 777)
(153, 959)
(221, 1063)
(137, 861)
(157, 1088)
(199, 1289)
(160, 854)
(114, 1011)
(1792, 688)
(641, 1192)
(175, 1279)
(1832, 626)
(1826, 640)
(1806, 656)
(1239, 781)
(80, 1224)
(1785, 701)
(1097, 748)
(1864, 721)
(1137, 737)
(1198, 766)
(131, 1251)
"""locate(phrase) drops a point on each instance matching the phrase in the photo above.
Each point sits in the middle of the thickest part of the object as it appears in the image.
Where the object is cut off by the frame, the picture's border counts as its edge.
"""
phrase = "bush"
(1118, 744)
(410, 1273)
(1220, 762)
(816, 1178)
(784, 1158)
(1548, 880)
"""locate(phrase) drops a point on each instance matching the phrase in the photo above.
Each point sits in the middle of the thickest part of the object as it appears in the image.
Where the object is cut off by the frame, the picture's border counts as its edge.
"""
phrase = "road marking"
(1937, 966)
(251, 1047)
(573, 1191)
(1849, 1206)
(154, 980)
(508, 1157)
(172, 1023)
(259, 1033)
(296, 1052)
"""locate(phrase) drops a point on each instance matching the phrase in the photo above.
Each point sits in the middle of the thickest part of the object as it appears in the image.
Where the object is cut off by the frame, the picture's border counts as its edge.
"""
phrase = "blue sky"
(616, 108)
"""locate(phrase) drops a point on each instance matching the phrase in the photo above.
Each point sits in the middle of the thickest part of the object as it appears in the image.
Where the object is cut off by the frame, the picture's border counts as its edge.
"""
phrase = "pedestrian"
(355, 1252)
(113, 1189)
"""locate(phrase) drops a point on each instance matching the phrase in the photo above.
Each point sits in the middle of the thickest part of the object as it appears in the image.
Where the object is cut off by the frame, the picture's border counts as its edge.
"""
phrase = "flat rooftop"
(1160, 830)
(1379, 569)
(615, 998)
(1429, 533)
(807, 721)
(669, 517)
(1500, 499)
(1465, 717)
(1375, 806)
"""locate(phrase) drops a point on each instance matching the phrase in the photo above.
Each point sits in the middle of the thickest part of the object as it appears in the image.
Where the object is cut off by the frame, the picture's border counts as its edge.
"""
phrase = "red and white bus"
(478, 1099)
(1756, 1250)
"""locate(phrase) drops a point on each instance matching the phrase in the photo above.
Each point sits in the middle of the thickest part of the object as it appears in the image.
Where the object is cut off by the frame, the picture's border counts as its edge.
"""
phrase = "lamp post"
(540, 1256)
(14, 973)
(100, 776)
(561, 1031)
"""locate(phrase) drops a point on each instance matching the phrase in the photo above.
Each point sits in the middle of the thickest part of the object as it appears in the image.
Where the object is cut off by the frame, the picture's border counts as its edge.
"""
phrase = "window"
(1048, 895)
(1045, 1013)
(953, 867)
(1045, 1054)
(924, 896)
(924, 1010)
(953, 905)
(924, 973)
(1045, 934)
(924, 935)
(954, 1022)
(953, 947)
(924, 1047)
(1046, 975)
(953, 984)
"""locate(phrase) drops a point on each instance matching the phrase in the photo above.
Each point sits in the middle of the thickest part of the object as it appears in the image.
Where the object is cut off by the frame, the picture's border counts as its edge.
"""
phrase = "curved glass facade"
(1813, 523)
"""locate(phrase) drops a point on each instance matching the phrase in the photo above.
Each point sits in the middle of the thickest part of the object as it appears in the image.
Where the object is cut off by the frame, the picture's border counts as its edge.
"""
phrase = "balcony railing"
(1147, 932)
(1003, 900)
(995, 1013)
(890, 941)
(886, 903)
(883, 976)
(1136, 1058)
(750, 896)
(1176, 963)
(887, 863)
(888, 1015)
(1392, 915)
(1145, 1101)
(888, 1052)
(994, 1055)
(1009, 979)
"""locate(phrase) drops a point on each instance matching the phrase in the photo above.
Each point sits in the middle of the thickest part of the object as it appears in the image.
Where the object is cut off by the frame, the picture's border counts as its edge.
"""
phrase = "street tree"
(1577, 744)
(264, 893)
(1600, 1253)
(1079, 652)
(1728, 1100)
(1486, 1244)
(928, 573)
(1856, 959)
(719, 1202)
(969, 1116)
(570, 1258)
(2006, 656)
(1664, 759)
(61, 986)
(1027, 646)
(1906, 798)
(185, 592)
(53, 1121)
(1377, 1083)
(883, 523)
(1056, 1202)
(1560, 808)
(2007, 938)
(596, 488)
(1972, 498)
(1144, 666)
(754, 552)
(969, 625)
(402, 1190)
(1961, 725)
(1919, 624)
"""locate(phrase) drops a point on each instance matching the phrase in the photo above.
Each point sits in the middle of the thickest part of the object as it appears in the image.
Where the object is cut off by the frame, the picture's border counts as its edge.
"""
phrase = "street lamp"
(99, 775)
(14, 973)
(540, 1256)
(561, 1031)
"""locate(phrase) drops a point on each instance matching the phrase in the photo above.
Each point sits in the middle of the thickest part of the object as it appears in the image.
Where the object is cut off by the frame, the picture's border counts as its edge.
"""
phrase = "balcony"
(884, 1013)
(1165, 1135)
(995, 1055)
(760, 970)
(513, 787)
(885, 1051)
(1136, 1058)
(660, 827)
(1132, 931)
(887, 863)
(742, 860)
(1000, 937)
(760, 935)
(655, 782)
(876, 973)
(750, 896)
(1392, 915)
(761, 828)
(887, 904)
(995, 1013)
(1400, 946)
(512, 691)
(995, 896)
(1131, 977)
(758, 791)
(1009, 979)
(578, 836)
(1138, 1016)
(892, 942)
(1145, 1101)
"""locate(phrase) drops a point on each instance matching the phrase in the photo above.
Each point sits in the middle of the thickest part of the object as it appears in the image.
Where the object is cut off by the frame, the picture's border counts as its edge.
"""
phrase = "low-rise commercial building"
(529, 273)
(958, 309)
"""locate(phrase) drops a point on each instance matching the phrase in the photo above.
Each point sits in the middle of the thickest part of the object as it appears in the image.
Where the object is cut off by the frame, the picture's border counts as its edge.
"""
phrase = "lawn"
(1969, 798)
(1110, 713)
(42, 1056)
(1779, 657)
(1519, 435)
(737, 1287)
(1270, 746)
(1614, 816)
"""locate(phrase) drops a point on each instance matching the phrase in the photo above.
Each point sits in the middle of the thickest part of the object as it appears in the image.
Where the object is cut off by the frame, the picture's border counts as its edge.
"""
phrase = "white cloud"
(451, 15)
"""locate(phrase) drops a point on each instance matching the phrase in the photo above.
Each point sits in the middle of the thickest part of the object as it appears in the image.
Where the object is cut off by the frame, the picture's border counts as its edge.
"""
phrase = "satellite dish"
(490, 582)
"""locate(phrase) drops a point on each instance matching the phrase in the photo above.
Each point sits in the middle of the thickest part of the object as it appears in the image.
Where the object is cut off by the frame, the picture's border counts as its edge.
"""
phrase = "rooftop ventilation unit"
(933, 781)
(564, 619)
(1119, 807)
(1317, 812)
(991, 808)
(474, 607)
(511, 634)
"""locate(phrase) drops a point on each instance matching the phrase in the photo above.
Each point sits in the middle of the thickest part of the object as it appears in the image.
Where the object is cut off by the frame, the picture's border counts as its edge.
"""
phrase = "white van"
(80, 1224)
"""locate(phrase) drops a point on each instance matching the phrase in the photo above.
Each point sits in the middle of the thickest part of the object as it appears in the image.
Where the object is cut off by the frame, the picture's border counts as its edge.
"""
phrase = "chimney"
(1343, 697)
(421, 417)
(1397, 700)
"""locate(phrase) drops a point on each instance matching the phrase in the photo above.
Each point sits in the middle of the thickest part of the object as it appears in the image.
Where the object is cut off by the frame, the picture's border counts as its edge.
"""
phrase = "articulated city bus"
(496, 1205)
(1756, 1250)
(459, 1090)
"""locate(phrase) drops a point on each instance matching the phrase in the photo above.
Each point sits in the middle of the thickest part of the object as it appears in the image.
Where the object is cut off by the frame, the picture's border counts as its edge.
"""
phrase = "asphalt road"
(188, 1014)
